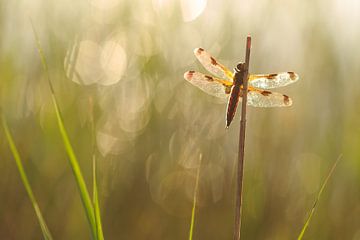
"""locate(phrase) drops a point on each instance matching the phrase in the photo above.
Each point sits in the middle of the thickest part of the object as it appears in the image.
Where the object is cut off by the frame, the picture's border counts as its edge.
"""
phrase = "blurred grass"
(193, 210)
(93, 214)
(307, 222)
(44, 228)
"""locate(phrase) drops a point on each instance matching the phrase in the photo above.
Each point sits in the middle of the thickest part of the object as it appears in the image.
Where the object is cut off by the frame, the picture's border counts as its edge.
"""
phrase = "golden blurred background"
(121, 64)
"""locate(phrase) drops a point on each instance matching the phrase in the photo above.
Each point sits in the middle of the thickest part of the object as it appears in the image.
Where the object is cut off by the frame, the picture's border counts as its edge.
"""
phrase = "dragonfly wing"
(211, 85)
(275, 80)
(212, 65)
(263, 98)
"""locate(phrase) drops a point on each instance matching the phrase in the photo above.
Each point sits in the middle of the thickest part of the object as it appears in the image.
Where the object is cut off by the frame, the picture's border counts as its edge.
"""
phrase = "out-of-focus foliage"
(127, 59)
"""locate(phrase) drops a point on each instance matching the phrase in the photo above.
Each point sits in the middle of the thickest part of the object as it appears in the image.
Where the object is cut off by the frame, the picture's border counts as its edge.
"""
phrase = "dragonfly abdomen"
(232, 104)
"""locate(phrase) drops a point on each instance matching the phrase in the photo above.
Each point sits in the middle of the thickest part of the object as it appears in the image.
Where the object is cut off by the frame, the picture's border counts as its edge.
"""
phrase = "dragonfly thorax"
(238, 74)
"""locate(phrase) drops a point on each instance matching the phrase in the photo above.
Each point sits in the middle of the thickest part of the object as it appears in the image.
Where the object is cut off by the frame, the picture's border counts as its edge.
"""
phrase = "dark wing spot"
(200, 50)
(272, 76)
(189, 74)
(213, 61)
(209, 78)
(286, 100)
(265, 93)
(292, 75)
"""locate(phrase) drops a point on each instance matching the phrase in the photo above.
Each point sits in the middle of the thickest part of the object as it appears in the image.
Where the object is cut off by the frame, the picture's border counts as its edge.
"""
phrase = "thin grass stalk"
(193, 211)
(240, 166)
(318, 197)
(74, 163)
(99, 231)
(45, 230)
(96, 203)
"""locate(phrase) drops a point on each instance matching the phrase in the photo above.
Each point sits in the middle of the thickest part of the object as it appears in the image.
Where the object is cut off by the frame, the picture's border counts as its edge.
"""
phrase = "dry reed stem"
(240, 166)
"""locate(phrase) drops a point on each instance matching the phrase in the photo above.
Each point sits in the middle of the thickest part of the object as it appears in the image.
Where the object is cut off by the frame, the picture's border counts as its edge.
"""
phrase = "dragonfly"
(227, 84)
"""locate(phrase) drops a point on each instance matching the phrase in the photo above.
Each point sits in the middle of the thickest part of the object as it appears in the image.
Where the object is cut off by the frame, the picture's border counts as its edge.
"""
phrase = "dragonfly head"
(240, 67)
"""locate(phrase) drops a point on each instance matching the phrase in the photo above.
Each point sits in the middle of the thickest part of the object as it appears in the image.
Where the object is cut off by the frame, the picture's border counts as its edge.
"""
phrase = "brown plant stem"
(240, 166)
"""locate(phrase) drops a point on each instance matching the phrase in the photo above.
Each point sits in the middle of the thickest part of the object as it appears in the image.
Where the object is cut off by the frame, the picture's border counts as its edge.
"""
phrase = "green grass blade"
(45, 230)
(317, 198)
(85, 197)
(84, 194)
(99, 231)
(193, 211)
(96, 204)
